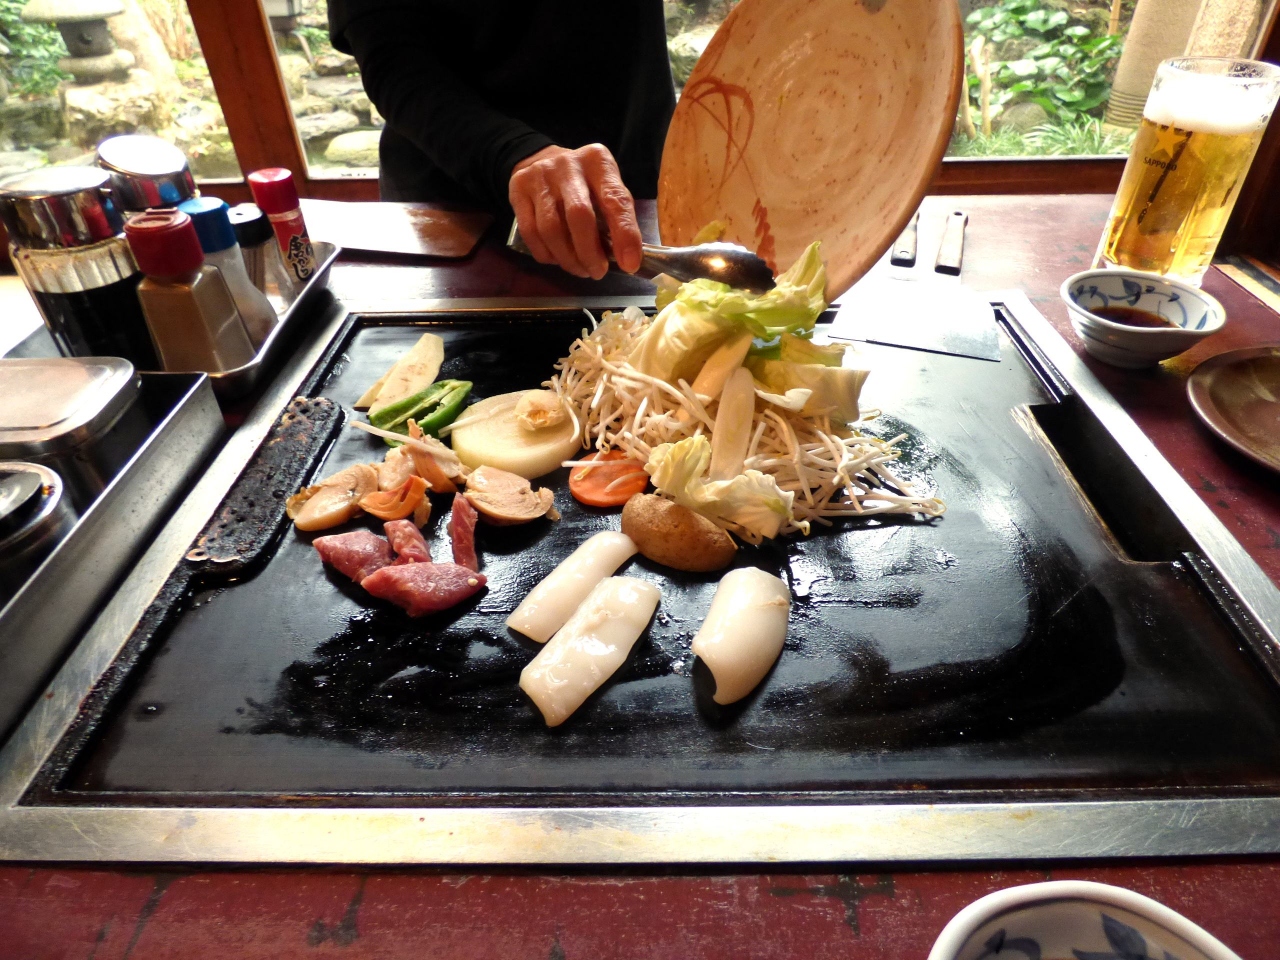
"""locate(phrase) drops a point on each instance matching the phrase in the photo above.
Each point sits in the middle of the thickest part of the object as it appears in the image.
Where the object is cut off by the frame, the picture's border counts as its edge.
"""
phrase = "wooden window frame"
(246, 76)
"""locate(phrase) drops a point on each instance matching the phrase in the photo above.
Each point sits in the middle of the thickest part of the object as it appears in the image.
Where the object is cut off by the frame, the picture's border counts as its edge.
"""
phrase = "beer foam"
(1209, 104)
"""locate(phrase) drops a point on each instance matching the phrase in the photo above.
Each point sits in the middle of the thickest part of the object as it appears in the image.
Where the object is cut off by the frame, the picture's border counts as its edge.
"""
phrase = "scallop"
(590, 647)
(333, 500)
(744, 631)
(552, 602)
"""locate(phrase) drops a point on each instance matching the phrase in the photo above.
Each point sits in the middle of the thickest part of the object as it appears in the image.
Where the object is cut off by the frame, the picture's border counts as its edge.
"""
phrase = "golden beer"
(1198, 135)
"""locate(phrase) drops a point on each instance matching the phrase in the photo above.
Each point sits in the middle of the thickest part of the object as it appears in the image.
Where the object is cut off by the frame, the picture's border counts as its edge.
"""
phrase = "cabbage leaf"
(703, 314)
(750, 504)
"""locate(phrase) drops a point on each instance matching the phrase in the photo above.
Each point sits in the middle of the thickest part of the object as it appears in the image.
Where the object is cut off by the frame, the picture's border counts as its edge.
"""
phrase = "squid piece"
(589, 649)
(552, 602)
(744, 631)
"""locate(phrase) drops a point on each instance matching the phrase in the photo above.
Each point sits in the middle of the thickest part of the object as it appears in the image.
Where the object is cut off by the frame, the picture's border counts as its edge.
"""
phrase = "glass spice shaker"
(222, 250)
(67, 244)
(262, 259)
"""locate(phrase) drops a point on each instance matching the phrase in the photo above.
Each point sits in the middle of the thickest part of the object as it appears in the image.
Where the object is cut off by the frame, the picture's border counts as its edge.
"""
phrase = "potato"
(675, 536)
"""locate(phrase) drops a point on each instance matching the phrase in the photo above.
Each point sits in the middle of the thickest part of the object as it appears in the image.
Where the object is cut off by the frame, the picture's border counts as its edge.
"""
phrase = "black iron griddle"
(1020, 646)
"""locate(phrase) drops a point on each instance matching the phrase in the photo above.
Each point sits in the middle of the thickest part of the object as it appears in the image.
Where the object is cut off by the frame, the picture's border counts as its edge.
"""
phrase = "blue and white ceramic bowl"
(1193, 313)
(1073, 920)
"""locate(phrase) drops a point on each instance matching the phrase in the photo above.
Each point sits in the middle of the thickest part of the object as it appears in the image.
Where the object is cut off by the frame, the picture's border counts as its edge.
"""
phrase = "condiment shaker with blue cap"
(218, 240)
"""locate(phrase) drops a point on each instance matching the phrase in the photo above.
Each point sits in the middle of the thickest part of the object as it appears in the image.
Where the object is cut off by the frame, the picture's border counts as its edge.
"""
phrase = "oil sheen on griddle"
(1133, 317)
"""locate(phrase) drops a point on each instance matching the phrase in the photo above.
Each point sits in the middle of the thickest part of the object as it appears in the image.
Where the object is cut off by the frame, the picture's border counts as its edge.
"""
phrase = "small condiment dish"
(1066, 919)
(1192, 315)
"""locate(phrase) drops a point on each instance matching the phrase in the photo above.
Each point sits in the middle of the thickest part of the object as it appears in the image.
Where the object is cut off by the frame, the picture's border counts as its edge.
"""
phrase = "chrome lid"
(59, 207)
(53, 404)
(146, 172)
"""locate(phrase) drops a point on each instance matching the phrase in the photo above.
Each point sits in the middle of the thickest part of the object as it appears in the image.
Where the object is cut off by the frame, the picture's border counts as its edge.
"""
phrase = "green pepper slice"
(392, 415)
(446, 409)
(433, 409)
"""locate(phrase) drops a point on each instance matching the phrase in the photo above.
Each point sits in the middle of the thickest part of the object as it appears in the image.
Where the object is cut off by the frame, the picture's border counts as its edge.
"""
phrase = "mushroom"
(333, 500)
(505, 499)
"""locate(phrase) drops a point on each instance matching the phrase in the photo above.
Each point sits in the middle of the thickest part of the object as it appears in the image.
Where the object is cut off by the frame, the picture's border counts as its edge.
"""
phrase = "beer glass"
(1201, 126)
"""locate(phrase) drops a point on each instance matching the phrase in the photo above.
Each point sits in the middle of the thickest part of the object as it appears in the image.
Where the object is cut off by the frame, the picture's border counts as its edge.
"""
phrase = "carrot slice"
(612, 484)
(398, 503)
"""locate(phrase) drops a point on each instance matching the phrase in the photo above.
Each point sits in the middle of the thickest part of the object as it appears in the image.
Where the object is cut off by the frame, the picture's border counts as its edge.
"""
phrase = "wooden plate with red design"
(813, 120)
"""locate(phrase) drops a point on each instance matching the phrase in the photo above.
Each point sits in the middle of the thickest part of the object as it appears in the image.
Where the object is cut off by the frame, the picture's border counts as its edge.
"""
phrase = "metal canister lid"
(34, 518)
(56, 404)
(146, 172)
(59, 207)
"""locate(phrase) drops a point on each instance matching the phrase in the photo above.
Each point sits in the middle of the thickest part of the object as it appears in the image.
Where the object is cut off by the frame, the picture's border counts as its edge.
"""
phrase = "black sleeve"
(427, 102)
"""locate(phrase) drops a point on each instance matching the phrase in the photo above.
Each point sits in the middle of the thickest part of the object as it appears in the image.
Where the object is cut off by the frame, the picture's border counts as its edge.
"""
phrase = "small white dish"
(1193, 314)
(1066, 919)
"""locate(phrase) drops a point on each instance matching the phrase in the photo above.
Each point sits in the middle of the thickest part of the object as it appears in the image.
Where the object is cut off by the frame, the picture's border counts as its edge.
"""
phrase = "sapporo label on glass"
(1165, 152)
(302, 259)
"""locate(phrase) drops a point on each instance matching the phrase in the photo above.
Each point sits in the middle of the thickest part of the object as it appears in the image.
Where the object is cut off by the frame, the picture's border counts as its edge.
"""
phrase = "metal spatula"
(904, 305)
(724, 262)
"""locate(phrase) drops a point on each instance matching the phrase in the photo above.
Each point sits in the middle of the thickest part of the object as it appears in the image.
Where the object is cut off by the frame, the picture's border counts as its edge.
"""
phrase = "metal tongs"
(723, 262)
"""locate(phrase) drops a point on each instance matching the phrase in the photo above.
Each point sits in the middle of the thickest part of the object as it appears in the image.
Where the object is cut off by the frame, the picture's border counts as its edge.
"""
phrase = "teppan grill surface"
(1075, 643)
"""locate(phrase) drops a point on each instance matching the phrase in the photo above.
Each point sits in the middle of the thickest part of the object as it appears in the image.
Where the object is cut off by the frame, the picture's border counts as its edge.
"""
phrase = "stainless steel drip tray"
(1046, 672)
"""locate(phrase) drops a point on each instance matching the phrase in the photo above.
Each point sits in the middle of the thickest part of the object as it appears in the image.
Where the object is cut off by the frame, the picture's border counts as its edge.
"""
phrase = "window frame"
(246, 77)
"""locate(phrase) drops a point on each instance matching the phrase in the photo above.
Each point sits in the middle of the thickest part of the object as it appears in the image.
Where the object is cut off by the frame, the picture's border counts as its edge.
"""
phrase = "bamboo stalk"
(1113, 26)
(980, 53)
(966, 110)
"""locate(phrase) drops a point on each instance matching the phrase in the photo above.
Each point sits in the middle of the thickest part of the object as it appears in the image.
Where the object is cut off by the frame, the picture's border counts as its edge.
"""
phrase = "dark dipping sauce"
(104, 322)
(1133, 317)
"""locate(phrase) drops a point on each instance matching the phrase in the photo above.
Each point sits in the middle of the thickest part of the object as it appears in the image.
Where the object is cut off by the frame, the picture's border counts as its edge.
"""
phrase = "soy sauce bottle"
(67, 244)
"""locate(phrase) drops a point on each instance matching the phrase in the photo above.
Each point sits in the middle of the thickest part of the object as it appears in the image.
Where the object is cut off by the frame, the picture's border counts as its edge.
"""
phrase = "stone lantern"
(83, 25)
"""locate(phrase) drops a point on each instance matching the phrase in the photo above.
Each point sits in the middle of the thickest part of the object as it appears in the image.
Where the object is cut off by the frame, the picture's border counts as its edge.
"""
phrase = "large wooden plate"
(814, 119)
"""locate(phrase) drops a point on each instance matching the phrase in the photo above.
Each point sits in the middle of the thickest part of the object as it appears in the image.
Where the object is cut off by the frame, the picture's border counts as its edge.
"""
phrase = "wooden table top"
(1027, 242)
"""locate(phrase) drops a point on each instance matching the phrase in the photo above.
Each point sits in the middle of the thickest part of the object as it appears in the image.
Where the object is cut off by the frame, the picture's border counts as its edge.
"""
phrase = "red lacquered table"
(1027, 242)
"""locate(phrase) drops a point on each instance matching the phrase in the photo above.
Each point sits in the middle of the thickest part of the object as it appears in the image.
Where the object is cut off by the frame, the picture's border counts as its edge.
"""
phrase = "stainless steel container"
(74, 414)
(35, 516)
(146, 172)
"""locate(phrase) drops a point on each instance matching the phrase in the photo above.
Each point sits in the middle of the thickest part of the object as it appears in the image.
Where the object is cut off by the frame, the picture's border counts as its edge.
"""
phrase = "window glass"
(337, 124)
(690, 26)
(1070, 77)
(66, 85)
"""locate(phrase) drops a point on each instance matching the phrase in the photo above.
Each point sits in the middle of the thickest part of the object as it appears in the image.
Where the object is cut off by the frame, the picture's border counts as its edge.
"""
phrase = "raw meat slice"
(357, 554)
(424, 587)
(407, 541)
(462, 531)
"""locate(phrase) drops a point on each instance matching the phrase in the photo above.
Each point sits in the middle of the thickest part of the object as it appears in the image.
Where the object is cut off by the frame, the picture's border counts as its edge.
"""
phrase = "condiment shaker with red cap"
(190, 311)
(274, 192)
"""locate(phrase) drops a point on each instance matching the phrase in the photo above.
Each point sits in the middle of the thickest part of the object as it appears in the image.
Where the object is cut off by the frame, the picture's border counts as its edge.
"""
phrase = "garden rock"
(100, 110)
(67, 153)
(295, 70)
(356, 149)
(198, 116)
(334, 64)
(306, 105)
(31, 123)
(363, 107)
(323, 126)
(211, 156)
(19, 161)
(335, 88)
(686, 48)
(1020, 117)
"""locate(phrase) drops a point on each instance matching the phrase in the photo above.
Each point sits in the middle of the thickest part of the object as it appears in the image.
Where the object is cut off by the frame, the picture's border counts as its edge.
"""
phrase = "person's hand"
(558, 194)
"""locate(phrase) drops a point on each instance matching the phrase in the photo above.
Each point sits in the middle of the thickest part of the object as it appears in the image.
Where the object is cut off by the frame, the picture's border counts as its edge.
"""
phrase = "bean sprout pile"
(833, 469)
